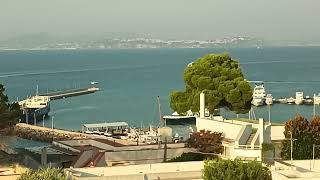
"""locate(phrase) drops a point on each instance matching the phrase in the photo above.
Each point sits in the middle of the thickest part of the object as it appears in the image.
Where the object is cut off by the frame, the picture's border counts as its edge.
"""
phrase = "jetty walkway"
(70, 93)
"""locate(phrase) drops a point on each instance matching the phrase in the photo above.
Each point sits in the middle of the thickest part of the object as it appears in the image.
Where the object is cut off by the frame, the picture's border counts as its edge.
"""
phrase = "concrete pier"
(70, 93)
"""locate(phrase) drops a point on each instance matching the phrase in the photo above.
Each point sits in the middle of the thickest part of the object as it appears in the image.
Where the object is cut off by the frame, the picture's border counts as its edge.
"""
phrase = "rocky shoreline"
(44, 134)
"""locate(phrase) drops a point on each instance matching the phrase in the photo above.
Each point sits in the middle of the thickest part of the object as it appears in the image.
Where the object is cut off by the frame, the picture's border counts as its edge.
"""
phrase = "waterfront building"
(242, 139)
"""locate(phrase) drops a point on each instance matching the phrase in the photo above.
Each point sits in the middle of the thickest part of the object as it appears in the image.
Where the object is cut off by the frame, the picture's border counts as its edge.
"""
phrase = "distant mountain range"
(43, 41)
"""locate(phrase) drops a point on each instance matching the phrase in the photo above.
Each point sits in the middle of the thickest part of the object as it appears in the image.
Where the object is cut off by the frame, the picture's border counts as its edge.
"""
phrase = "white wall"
(240, 152)
(277, 133)
(229, 130)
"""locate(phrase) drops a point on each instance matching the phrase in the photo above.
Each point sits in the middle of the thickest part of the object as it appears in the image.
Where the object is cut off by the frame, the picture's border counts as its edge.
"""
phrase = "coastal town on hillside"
(22, 43)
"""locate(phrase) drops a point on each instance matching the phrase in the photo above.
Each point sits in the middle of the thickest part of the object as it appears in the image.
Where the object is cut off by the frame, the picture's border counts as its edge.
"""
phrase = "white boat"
(269, 99)
(35, 107)
(316, 99)
(299, 98)
(259, 94)
(291, 100)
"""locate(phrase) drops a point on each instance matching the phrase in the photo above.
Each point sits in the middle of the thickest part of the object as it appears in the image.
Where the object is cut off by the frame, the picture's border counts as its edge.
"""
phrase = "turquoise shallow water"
(131, 79)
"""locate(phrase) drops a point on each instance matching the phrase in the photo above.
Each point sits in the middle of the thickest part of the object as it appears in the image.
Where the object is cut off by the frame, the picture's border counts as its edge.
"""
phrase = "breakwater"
(37, 133)
(70, 93)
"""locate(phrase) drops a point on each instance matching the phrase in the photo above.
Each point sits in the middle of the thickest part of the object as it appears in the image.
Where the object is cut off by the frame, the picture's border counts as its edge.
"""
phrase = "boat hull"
(180, 121)
(257, 102)
(32, 115)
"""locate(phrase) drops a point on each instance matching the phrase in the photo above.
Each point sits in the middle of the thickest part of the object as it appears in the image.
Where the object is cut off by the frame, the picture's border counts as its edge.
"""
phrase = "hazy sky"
(188, 19)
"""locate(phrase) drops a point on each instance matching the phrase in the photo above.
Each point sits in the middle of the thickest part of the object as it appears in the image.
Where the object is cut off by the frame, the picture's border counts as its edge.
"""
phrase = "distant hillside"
(44, 41)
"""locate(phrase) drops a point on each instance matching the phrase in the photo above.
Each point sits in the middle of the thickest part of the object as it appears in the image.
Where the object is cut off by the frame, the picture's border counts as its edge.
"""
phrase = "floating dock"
(70, 93)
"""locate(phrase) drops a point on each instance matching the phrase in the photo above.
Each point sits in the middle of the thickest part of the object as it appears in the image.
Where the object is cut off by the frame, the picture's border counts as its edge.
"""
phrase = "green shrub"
(235, 170)
(44, 174)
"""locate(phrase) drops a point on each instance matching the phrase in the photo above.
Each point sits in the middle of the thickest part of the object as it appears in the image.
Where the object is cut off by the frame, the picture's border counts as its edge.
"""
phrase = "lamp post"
(34, 118)
(269, 113)
(291, 139)
(43, 120)
(27, 121)
(313, 149)
(52, 121)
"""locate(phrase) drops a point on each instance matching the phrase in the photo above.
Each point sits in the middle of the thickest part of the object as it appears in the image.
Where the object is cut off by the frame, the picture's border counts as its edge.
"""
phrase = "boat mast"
(314, 105)
(37, 92)
(160, 115)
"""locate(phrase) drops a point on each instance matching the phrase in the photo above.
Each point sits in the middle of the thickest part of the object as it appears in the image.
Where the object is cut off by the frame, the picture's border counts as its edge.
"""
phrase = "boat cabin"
(114, 128)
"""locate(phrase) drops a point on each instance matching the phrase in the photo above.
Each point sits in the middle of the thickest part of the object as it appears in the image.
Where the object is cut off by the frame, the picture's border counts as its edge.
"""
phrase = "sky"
(274, 20)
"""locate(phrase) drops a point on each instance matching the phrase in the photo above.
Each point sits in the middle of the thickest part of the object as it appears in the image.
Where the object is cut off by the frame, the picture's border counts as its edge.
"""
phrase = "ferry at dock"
(34, 108)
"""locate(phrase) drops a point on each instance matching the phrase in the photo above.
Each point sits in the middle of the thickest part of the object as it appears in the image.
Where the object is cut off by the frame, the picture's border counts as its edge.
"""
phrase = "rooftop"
(180, 170)
(113, 124)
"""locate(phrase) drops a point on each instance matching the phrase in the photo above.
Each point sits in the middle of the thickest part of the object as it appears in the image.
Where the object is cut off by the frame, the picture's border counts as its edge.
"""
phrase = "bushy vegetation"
(305, 133)
(235, 170)
(191, 156)
(206, 141)
(44, 174)
(220, 78)
(10, 113)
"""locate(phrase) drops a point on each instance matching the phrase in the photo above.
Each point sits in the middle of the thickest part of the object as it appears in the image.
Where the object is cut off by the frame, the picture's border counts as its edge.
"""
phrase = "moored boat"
(259, 94)
(299, 98)
(35, 108)
(269, 99)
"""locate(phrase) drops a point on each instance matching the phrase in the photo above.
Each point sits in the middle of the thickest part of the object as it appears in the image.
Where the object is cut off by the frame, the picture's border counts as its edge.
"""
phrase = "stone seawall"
(38, 133)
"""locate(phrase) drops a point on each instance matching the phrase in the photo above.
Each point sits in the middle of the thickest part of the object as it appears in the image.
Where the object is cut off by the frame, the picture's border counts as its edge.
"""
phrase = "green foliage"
(267, 147)
(9, 113)
(235, 170)
(206, 141)
(305, 134)
(44, 174)
(221, 79)
(190, 156)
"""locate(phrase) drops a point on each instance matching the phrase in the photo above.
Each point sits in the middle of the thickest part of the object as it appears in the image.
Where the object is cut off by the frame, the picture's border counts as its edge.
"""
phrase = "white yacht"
(269, 99)
(259, 94)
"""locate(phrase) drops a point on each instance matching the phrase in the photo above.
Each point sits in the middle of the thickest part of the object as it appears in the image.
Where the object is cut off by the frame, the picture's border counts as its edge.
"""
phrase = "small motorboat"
(94, 82)
(291, 100)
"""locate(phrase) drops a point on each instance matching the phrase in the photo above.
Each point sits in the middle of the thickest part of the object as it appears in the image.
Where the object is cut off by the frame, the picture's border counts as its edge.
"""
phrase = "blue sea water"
(131, 79)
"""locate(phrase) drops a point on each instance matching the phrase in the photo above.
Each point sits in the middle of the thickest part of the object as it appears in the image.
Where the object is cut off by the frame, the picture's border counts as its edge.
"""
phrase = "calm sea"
(131, 79)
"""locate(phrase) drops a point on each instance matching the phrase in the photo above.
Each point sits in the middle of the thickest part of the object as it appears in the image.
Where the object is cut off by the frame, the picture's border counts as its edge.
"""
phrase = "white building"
(242, 139)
